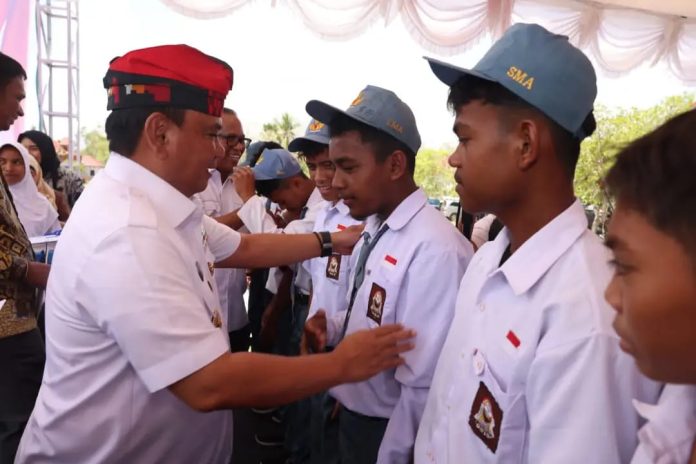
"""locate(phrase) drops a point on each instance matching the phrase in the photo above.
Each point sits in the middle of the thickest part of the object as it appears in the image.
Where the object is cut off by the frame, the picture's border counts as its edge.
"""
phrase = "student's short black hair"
(655, 176)
(382, 143)
(10, 69)
(470, 88)
(310, 149)
(266, 187)
(125, 126)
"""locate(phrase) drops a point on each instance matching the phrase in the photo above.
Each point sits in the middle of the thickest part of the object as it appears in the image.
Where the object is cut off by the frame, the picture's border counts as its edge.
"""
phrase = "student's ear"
(527, 144)
(398, 165)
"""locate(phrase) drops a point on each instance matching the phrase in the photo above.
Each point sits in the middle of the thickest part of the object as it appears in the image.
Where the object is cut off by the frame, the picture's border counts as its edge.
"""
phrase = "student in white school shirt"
(416, 261)
(218, 199)
(138, 368)
(531, 371)
(652, 235)
(329, 280)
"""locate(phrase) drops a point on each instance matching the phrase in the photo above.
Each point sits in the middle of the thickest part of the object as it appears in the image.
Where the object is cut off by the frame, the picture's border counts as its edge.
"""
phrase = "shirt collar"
(403, 213)
(169, 202)
(531, 261)
(314, 198)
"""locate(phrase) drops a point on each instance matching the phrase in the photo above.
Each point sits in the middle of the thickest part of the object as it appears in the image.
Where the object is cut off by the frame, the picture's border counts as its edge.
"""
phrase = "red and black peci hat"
(176, 76)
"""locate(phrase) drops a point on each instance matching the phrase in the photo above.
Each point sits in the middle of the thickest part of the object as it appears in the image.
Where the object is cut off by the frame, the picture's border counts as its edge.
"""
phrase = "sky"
(280, 64)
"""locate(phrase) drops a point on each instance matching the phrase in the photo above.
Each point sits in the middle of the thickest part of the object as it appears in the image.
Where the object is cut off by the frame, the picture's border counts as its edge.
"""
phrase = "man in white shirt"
(138, 365)
(218, 199)
(652, 235)
(531, 371)
(405, 269)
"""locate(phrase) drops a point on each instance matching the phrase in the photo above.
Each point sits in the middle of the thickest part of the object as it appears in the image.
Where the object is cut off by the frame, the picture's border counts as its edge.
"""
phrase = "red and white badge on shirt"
(389, 262)
(512, 343)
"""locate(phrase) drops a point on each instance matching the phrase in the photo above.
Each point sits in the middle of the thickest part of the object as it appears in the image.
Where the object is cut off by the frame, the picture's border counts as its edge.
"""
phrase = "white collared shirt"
(253, 215)
(415, 268)
(128, 313)
(532, 342)
(330, 275)
(668, 436)
(217, 199)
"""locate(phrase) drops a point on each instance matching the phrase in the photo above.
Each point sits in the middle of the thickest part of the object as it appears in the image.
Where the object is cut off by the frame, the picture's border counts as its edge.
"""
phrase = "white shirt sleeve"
(254, 216)
(571, 414)
(139, 291)
(223, 241)
(429, 310)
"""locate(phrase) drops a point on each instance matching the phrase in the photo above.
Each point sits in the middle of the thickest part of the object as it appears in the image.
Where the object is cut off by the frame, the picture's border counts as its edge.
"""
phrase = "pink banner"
(14, 37)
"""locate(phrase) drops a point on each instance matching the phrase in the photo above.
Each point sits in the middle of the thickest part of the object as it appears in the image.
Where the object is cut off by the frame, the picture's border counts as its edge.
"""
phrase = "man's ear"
(156, 135)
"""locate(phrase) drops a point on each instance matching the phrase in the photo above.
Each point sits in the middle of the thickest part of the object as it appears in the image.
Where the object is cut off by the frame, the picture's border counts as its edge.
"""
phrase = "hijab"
(43, 187)
(35, 212)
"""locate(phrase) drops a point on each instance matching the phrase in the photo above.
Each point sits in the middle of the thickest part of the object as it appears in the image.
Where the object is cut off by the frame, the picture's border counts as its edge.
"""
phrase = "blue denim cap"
(378, 108)
(541, 68)
(252, 153)
(317, 132)
(276, 164)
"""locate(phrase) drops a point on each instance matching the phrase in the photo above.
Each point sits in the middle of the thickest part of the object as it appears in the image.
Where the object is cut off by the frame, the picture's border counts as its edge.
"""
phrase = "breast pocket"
(497, 416)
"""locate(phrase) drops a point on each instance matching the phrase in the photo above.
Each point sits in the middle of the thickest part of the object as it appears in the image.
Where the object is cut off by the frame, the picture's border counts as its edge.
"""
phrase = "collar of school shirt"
(402, 215)
(531, 261)
(671, 422)
(314, 199)
(341, 208)
(174, 207)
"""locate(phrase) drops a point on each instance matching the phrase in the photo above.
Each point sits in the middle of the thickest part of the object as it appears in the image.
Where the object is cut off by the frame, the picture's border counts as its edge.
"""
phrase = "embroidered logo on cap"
(333, 266)
(486, 417)
(315, 126)
(378, 296)
(358, 100)
(520, 77)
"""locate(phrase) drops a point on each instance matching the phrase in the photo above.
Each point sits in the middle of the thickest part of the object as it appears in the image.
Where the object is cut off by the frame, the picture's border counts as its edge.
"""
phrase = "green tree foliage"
(281, 130)
(615, 129)
(433, 174)
(96, 145)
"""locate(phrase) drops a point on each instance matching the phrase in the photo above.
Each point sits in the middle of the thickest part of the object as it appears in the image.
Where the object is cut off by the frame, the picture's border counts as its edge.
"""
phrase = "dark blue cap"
(379, 108)
(542, 68)
(317, 132)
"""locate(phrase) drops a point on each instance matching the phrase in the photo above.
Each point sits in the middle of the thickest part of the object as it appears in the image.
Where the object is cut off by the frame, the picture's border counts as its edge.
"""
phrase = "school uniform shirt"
(531, 371)
(330, 275)
(411, 277)
(217, 199)
(130, 310)
(253, 215)
(668, 436)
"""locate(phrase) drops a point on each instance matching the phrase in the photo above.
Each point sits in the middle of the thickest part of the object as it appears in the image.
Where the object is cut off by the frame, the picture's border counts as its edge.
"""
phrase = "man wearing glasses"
(218, 200)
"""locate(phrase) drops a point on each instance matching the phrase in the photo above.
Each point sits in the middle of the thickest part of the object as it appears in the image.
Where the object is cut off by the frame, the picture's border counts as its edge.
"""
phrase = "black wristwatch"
(325, 243)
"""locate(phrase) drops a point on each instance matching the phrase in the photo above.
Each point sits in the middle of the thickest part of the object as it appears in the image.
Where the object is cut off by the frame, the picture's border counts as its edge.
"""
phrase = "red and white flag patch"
(512, 343)
(389, 262)
(340, 227)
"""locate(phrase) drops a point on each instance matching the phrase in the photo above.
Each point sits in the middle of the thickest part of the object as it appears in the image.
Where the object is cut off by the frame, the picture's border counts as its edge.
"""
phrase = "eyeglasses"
(234, 140)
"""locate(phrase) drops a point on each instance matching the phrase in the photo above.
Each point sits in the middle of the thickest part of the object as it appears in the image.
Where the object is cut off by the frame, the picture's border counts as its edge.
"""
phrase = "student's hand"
(315, 333)
(365, 353)
(344, 241)
(244, 182)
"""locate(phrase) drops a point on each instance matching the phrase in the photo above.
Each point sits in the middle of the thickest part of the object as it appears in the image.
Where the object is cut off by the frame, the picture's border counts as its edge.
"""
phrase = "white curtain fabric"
(619, 39)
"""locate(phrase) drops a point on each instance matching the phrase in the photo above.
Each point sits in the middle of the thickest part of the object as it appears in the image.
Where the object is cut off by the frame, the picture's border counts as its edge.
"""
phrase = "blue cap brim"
(299, 143)
(449, 74)
(323, 112)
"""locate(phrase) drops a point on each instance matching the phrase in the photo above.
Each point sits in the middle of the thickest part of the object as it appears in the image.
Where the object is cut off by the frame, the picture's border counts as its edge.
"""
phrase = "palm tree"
(281, 130)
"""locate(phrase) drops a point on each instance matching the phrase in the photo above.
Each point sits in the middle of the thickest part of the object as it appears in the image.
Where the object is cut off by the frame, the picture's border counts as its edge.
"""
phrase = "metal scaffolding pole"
(58, 72)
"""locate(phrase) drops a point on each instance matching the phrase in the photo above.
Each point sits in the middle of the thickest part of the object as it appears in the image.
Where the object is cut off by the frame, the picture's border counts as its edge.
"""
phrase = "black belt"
(301, 298)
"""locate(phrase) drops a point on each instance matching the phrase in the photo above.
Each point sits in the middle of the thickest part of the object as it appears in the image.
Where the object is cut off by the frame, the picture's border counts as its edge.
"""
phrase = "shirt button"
(479, 363)
(482, 307)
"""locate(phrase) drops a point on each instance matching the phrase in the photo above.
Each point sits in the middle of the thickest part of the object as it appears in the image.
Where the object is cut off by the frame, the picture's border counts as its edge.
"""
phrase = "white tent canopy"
(620, 34)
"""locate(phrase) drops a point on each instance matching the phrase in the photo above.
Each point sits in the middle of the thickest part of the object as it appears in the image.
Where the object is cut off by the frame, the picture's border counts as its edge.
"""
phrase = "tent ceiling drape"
(620, 34)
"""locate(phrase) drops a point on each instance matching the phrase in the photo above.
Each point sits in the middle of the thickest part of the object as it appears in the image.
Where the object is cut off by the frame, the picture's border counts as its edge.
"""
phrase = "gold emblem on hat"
(315, 126)
(358, 100)
(216, 319)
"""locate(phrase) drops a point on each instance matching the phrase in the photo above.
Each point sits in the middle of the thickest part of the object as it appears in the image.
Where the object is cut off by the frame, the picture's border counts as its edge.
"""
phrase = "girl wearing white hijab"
(35, 212)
